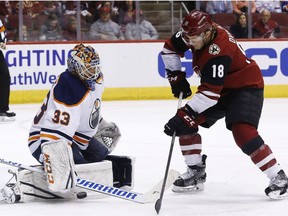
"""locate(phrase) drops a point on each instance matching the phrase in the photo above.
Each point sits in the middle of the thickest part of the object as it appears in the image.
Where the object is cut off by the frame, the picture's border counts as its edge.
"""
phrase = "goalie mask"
(84, 63)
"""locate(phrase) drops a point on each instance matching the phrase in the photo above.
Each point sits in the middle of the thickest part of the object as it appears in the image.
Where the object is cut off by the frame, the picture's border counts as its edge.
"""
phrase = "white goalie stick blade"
(154, 193)
(147, 197)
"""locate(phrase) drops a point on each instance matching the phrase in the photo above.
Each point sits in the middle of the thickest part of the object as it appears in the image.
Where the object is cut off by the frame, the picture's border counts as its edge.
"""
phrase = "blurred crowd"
(122, 20)
(58, 21)
(268, 19)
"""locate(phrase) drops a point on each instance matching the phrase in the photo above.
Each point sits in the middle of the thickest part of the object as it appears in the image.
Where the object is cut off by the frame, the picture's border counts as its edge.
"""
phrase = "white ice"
(234, 184)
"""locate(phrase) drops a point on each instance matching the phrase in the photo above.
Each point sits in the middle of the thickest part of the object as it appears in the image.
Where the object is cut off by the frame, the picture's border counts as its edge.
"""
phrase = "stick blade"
(155, 192)
(171, 177)
(158, 205)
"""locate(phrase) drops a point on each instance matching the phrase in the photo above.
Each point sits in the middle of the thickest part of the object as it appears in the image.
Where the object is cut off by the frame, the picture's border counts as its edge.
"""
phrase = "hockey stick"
(159, 201)
(147, 197)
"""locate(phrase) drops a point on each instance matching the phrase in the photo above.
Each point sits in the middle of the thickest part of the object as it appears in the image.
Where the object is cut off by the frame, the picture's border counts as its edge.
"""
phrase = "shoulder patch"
(214, 49)
(69, 90)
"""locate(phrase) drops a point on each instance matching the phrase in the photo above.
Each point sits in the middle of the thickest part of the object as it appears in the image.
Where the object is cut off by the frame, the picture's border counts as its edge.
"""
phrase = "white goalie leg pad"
(59, 166)
(33, 185)
(99, 172)
(10, 193)
(25, 186)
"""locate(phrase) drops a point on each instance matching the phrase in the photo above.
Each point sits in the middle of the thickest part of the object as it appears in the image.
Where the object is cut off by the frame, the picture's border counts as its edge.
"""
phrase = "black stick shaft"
(158, 203)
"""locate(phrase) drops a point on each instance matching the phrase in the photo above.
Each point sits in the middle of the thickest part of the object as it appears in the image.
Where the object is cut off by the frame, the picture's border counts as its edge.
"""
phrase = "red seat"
(28, 22)
(283, 32)
(255, 17)
(11, 35)
(3, 19)
(13, 22)
(225, 19)
(280, 18)
(39, 20)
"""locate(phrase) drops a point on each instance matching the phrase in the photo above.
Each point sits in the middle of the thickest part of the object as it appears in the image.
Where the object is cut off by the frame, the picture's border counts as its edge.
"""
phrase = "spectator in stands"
(51, 29)
(265, 27)
(5, 9)
(25, 33)
(240, 7)
(215, 7)
(147, 30)
(30, 8)
(69, 31)
(51, 7)
(70, 8)
(272, 6)
(97, 5)
(126, 14)
(284, 6)
(240, 29)
(104, 28)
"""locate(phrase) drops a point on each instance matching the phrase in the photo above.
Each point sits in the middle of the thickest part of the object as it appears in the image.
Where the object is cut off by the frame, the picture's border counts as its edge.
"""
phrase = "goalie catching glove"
(179, 83)
(108, 134)
(184, 122)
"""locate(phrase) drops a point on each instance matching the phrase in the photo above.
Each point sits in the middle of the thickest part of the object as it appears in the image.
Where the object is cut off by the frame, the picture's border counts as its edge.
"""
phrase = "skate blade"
(5, 119)
(193, 188)
(275, 195)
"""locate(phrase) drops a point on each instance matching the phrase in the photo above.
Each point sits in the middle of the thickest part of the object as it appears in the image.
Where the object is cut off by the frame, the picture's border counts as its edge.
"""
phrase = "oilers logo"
(95, 114)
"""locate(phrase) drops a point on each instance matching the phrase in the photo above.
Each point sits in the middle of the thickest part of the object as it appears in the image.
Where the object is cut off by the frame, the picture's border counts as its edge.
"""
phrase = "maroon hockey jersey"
(221, 64)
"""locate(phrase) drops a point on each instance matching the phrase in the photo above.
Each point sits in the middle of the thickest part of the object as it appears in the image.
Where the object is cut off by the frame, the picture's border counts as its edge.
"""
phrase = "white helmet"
(84, 63)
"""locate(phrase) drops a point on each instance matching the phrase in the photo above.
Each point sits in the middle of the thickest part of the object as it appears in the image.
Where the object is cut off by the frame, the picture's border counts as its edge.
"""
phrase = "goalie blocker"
(28, 185)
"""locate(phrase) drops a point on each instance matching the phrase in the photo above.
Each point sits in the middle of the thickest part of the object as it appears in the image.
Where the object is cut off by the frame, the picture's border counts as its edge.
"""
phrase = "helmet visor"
(192, 40)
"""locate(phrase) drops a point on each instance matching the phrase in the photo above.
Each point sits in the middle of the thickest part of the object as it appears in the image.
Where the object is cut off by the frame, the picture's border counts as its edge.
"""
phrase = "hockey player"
(231, 87)
(5, 114)
(68, 129)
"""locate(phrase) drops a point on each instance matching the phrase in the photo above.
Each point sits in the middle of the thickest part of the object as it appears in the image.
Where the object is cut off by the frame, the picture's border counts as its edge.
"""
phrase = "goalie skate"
(277, 188)
(192, 180)
(10, 193)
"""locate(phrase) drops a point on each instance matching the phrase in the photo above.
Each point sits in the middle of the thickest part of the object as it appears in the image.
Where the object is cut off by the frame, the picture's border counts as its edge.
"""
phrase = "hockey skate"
(193, 179)
(7, 116)
(10, 193)
(277, 188)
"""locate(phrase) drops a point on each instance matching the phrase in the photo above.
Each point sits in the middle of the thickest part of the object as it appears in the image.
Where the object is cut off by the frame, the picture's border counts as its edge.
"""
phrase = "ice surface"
(234, 185)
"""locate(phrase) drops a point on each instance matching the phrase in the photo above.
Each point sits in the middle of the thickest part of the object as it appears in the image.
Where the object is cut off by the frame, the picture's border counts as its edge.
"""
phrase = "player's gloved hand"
(3, 45)
(179, 83)
(183, 122)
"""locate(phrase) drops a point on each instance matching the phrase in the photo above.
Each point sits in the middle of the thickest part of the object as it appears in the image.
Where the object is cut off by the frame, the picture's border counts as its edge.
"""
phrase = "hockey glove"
(183, 122)
(179, 83)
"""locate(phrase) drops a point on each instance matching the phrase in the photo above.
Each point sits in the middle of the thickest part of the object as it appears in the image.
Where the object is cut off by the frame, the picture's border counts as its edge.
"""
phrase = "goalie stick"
(143, 198)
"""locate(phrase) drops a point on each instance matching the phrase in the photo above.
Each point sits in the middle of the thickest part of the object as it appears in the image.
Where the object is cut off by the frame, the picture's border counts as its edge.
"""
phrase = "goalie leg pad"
(123, 171)
(25, 186)
(100, 172)
(32, 186)
(59, 166)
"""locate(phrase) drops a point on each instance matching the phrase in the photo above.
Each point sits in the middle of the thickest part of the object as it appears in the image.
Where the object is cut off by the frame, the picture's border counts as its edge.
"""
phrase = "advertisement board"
(131, 70)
